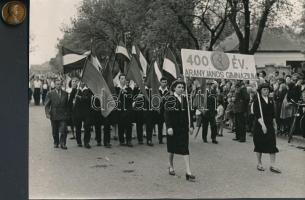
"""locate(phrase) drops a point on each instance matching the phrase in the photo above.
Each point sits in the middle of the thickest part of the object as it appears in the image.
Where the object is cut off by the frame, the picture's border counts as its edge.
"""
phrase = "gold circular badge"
(220, 60)
(13, 12)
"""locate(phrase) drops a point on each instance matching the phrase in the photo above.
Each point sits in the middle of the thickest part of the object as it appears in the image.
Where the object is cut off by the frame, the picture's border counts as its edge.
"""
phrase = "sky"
(48, 16)
(46, 19)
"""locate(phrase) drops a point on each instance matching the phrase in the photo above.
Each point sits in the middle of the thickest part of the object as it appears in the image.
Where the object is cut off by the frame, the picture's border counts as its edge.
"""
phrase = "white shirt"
(69, 90)
(163, 91)
(179, 97)
(45, 86)
(265, 99)
(52, 84)
(37, 84)
(122, 87)
(84, 88)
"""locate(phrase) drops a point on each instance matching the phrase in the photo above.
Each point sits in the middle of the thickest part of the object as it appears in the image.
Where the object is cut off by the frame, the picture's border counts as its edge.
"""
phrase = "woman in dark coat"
(264, 128)
(178, 126)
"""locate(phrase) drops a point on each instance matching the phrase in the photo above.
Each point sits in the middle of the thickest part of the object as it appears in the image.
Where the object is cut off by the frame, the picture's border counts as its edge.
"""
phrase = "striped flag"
(107, 74)
(96, 63)
(141, 59)
(72, 60)
(170, 67)
(154, 76)
(134, 74)
(122, 52)
(97, 84)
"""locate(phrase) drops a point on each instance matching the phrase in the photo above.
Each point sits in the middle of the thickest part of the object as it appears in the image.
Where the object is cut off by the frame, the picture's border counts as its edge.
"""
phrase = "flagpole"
(259, 103)
(187, 102)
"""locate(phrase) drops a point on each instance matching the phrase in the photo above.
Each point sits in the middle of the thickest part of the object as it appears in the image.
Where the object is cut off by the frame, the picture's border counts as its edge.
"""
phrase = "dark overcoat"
(264, 143)
(57, 105)
(176, 117)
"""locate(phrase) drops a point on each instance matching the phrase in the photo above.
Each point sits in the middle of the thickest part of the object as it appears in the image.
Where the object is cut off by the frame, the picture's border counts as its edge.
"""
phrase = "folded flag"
(122, 52)
(140, 58)
(134, 74)
(170, 67)
(95, 81)
(72, 60)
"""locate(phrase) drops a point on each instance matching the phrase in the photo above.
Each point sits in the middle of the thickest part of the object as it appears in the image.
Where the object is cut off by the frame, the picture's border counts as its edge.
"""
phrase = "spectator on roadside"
(45, 89)
(37, 90)
(219, 116)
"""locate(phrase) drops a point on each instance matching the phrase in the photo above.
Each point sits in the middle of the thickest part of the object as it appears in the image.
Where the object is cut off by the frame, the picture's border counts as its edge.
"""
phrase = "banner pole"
(187, 102)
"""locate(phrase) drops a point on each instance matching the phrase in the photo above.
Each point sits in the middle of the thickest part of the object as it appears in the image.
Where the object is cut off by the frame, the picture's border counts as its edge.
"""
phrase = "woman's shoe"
(260, 168)
(171, 171)
(275, 170)
(190, 177)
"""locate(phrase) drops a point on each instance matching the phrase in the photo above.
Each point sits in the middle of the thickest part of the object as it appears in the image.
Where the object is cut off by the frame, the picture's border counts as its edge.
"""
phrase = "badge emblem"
(220, 60)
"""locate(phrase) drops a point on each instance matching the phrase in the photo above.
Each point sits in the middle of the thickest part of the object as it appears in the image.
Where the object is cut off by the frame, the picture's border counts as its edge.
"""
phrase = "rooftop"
(272, 41)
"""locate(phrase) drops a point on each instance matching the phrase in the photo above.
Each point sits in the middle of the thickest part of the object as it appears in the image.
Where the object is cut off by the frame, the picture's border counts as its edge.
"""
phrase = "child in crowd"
(220, 116)
(229, 114)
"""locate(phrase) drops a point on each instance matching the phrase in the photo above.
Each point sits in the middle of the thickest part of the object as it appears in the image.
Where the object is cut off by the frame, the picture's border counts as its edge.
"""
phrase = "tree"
(302, 21)
(243, 14)
(208, 16)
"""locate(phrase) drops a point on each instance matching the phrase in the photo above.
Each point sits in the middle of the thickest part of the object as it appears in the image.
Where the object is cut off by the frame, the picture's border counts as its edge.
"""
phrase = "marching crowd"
(220, 103)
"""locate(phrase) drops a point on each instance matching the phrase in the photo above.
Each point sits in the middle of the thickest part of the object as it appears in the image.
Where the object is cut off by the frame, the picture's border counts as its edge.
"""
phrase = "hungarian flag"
(154, 76)
(140, 58)
(170, 67)
(122, 57)
(122, 52)
(72, 60)
(95, 81)
(107, 74)
(134, 74)
(96, 63)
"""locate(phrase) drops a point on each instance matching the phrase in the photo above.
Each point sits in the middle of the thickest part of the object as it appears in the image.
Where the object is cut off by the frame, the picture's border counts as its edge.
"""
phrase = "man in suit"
(124, 94)
(81, 114)
(138, 109)
(150, 116)
(208, 116)
(98, 120)
(56, 109)
(241, 103)
(163, 92)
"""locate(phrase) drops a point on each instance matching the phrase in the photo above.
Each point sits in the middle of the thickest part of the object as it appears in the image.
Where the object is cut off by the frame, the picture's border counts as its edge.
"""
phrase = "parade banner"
(218, 65)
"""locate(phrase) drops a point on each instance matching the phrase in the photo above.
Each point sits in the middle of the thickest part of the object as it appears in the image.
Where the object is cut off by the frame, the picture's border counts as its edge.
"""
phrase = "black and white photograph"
(166, 99)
